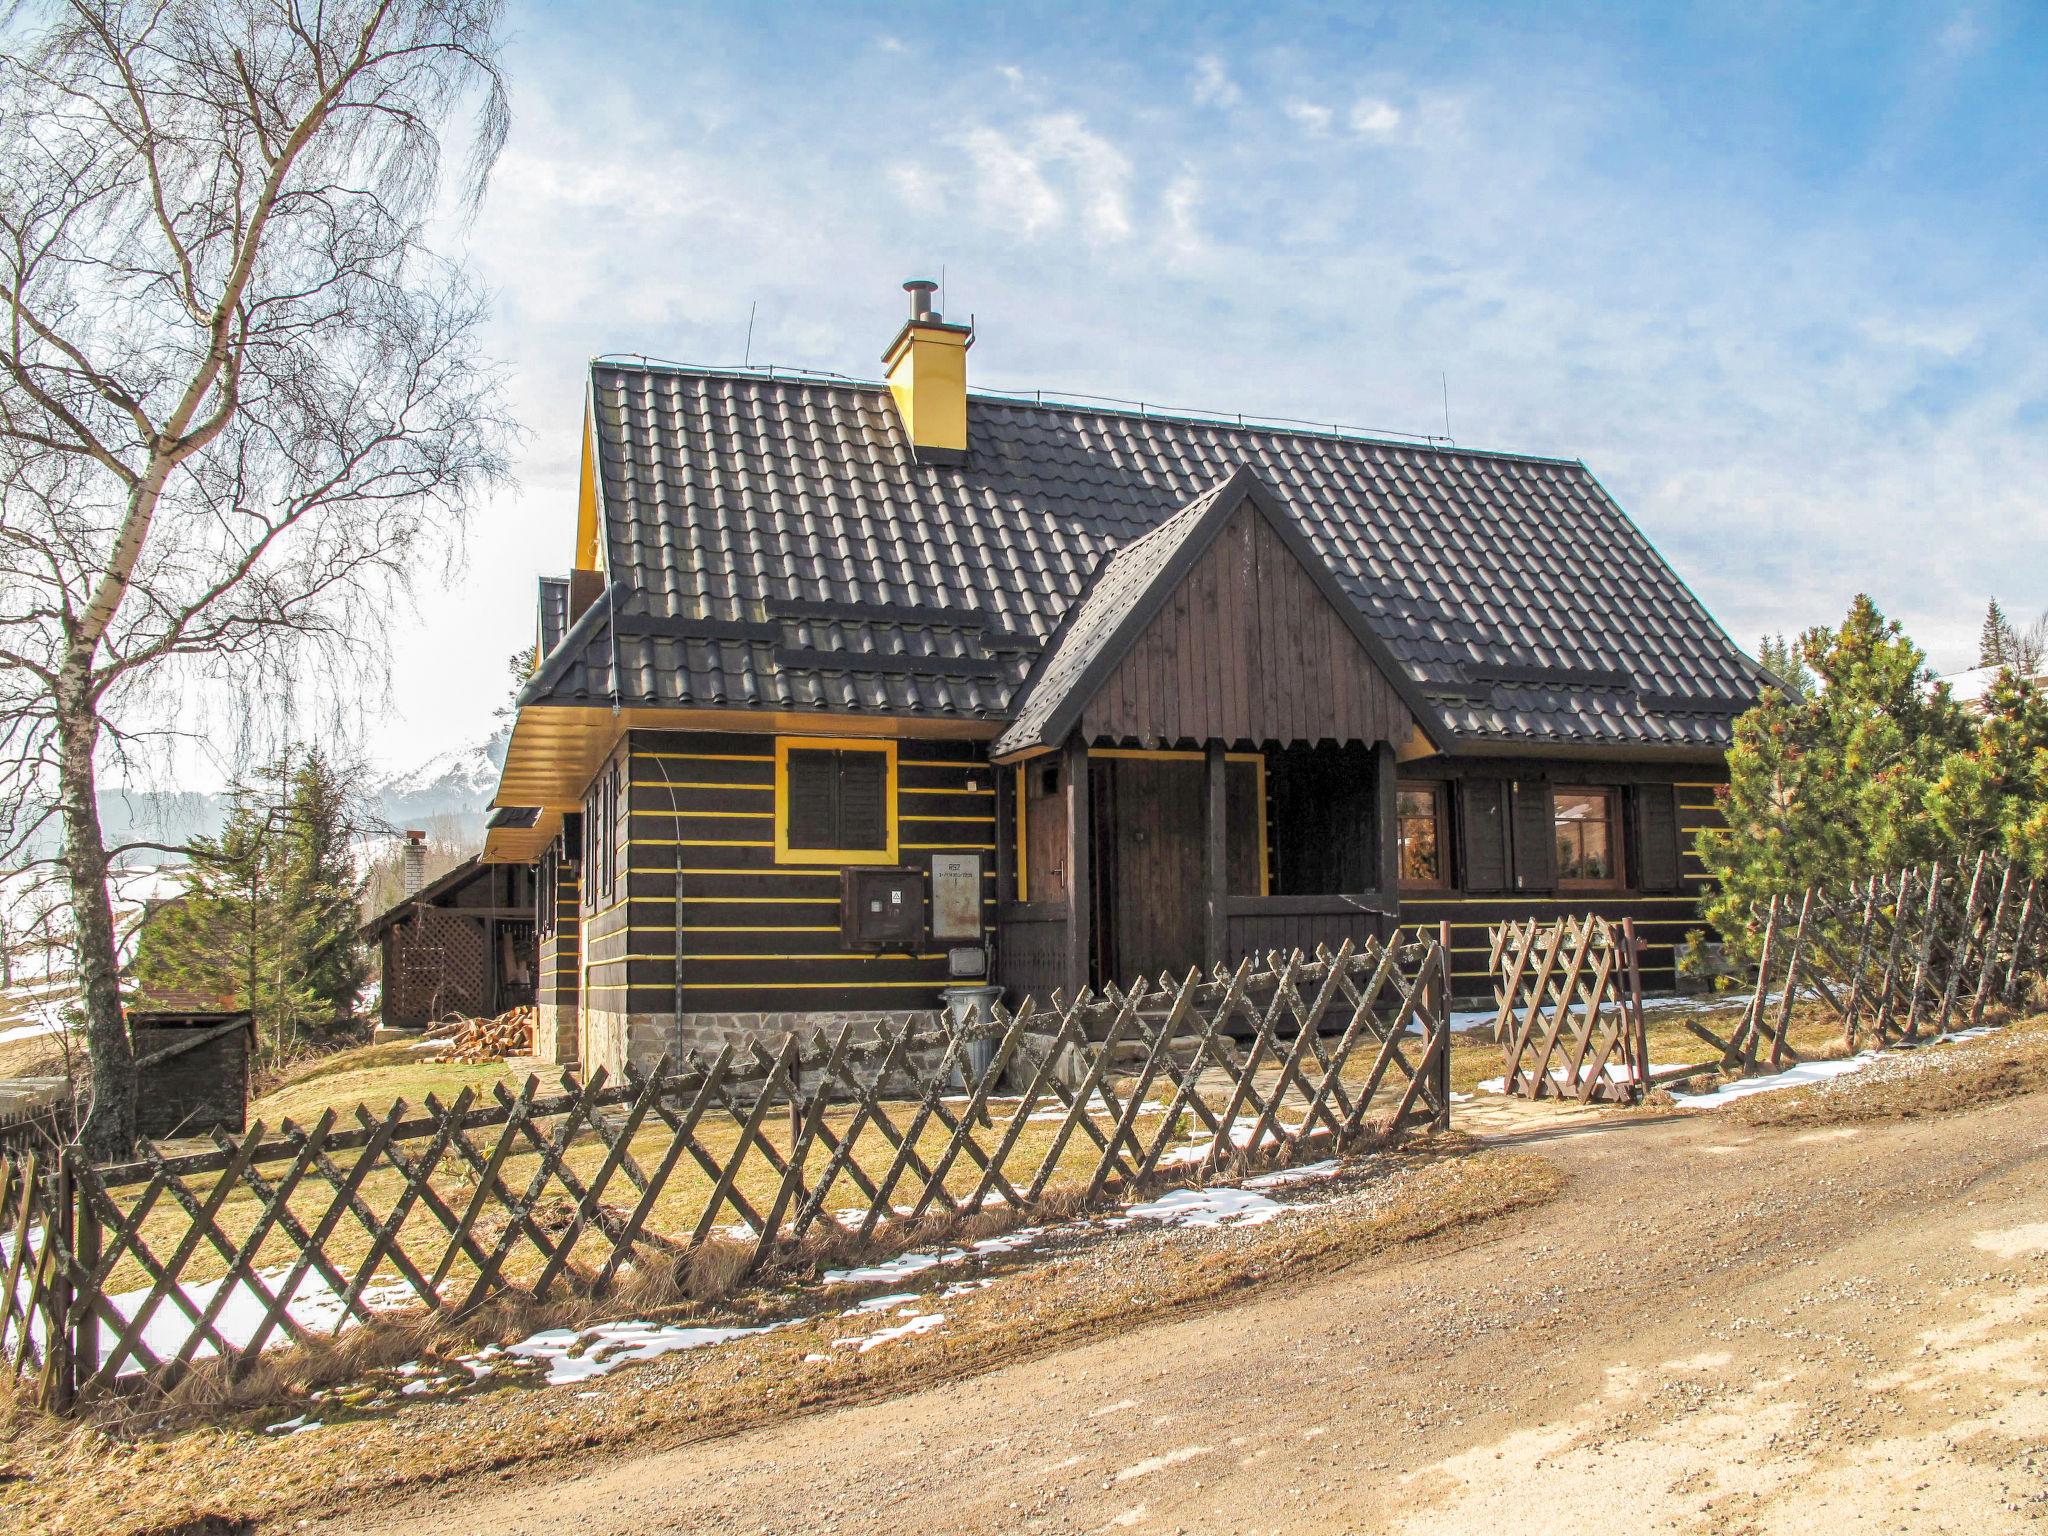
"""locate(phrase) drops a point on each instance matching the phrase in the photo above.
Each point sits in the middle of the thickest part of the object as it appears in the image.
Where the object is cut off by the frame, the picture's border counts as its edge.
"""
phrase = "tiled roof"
(773, 544)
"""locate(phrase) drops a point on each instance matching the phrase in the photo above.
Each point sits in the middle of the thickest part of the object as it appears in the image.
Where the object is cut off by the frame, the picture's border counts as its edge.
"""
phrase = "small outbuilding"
(462, 945)
(193, 1060)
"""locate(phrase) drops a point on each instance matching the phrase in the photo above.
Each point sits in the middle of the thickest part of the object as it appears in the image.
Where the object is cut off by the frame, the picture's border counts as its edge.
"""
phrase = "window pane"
(1585, 849)
(1593, 858)
(1419, 841)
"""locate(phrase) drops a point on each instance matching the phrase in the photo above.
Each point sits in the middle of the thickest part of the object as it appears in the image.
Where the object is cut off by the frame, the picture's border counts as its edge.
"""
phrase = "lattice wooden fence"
(134, 1273)
(1896, 958)
(1570, 1000)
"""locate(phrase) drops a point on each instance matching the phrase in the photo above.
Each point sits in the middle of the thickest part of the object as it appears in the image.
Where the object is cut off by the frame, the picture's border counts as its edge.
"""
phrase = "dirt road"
(1715, 1329)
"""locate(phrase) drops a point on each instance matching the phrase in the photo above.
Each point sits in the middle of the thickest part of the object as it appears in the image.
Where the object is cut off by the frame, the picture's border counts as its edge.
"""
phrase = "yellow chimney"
(927, 365)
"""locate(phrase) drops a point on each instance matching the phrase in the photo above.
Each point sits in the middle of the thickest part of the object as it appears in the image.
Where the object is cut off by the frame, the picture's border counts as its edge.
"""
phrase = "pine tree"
(1995, 641)
(268, 914)
(1833, 783)
(1994, 794)
(1779, 656)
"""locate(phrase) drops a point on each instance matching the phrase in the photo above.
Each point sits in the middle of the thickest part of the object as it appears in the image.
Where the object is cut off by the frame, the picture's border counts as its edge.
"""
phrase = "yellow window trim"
(1023, 862)
(784, 854)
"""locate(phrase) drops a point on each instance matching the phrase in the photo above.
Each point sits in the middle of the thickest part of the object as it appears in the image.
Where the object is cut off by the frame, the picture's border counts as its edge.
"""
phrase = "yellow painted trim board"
(1018, 813)
(807, 986)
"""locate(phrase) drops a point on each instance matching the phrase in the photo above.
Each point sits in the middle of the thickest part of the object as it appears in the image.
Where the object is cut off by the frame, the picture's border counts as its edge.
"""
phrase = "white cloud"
(1213, 85)
(1015, 175)
(1311, 115)
(1964, 34)
(1373, 118)
(1011, 73)
(1180, 206)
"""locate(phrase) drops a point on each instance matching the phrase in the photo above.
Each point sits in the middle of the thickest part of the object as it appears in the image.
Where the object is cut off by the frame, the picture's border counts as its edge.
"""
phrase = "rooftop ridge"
(1099, 405)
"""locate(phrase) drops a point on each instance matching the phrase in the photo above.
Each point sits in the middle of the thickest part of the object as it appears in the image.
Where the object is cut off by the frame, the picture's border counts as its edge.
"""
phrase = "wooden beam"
(1386, 775)
(1080, 904)
(1215, 875)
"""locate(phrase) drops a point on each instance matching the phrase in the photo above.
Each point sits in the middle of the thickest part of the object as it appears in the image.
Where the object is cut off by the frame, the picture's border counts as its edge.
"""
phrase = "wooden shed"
(463, 945)
(193, 1061)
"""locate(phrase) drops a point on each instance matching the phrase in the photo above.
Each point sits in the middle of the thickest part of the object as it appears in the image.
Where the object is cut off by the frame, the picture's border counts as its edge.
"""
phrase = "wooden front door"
(1148, 867)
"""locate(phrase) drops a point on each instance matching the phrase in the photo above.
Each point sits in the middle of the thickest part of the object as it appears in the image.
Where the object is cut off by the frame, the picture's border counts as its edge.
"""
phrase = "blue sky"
(1774, 272)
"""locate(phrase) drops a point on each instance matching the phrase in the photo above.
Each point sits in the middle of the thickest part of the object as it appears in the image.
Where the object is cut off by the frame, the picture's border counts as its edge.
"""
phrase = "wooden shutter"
(813, 807)
(863, 801)
(1484, 833)
(1657, 839)
(1535, 837)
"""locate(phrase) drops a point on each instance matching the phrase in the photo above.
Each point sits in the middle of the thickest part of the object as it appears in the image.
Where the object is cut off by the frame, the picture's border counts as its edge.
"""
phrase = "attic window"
(835, 801)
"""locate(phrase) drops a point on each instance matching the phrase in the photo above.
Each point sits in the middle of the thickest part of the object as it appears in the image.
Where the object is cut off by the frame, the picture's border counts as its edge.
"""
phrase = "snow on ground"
(582, 1354)
(1212, 1207)
(916, 1323)
(1563, 1079)
(907, 1264)
(1808, 1073)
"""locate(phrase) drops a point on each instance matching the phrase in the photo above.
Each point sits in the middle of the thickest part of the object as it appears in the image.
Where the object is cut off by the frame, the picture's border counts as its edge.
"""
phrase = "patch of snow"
(880, 1303)
(572, 1354)
(1276, 1179)
(1212, 1207)
(922, 1322)
(902, 1267)
(1801, 1076)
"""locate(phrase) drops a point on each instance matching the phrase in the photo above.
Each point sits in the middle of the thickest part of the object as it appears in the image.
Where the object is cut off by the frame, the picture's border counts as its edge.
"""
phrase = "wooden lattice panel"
(1570, 1019)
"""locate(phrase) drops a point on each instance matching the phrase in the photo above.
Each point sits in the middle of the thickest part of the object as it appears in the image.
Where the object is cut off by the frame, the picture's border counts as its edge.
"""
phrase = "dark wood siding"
(703, 892)
(1481, 814)
(1662, 918)
(1247, 649)
(560, 925)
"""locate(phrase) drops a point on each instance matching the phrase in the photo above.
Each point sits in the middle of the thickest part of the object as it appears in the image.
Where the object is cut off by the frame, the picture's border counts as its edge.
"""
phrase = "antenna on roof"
(1446, 379)
(750, 333)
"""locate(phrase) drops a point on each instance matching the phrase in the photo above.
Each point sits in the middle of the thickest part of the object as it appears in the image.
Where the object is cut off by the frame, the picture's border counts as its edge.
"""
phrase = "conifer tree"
(1994, 640)
(1994, 795)
(1833, 784)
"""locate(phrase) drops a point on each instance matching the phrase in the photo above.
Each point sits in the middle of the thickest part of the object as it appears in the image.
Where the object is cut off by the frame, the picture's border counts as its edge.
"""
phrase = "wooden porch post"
(1215, 881)
(1386, 773)
(1080, 898)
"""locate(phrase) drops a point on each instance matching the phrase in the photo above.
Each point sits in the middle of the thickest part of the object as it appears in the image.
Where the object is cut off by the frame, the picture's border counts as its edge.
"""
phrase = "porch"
(1189, 856)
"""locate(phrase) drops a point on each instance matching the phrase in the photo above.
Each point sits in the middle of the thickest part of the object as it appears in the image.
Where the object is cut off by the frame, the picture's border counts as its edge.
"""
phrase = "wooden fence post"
(1638, 1031)
(59, 1233)
(1443, 1014)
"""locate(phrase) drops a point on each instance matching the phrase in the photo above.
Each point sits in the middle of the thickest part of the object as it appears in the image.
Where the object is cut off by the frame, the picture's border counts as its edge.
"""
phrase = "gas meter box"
(881, 908)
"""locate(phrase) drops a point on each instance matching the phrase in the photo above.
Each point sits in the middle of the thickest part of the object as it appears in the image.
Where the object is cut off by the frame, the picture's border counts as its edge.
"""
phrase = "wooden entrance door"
(1148, 867)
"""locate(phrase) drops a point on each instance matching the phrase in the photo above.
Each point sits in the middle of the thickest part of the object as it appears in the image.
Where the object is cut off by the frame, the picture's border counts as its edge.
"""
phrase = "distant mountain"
(448, 788)
(448, 795)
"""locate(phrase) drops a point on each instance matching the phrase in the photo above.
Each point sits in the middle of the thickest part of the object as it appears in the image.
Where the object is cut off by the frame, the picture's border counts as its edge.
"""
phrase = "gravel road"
(1715, 1329)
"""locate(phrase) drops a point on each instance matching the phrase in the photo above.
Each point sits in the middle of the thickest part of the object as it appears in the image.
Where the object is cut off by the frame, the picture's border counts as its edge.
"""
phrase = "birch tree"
(241, 399)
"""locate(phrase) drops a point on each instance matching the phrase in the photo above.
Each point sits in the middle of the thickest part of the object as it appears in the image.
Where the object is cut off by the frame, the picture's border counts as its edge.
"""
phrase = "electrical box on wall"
(956, 896)
(881, 908)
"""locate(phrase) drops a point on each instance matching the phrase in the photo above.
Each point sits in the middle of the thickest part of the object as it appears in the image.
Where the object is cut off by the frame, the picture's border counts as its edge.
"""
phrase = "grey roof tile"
(1495, 580)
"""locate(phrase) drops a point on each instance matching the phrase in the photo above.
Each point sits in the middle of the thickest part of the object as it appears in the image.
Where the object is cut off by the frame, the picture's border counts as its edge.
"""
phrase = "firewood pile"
(479, 1040)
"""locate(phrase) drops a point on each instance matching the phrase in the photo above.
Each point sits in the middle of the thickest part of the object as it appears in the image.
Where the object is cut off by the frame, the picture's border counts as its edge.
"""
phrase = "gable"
(1247, 647)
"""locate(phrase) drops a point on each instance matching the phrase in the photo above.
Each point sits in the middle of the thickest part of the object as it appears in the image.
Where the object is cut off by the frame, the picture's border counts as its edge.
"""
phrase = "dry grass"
(1909, 1084)
(78, 1478)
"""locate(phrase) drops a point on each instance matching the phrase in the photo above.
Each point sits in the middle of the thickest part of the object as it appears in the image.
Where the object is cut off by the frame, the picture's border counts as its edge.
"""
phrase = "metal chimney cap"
(921, 290)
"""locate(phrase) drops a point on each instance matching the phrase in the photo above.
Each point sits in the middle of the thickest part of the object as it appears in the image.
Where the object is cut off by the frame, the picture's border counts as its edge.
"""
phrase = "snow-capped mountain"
(456, 783)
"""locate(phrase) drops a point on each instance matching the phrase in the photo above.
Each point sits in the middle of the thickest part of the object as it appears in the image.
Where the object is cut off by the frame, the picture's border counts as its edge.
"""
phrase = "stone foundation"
(555, 1030)
(617, 1040)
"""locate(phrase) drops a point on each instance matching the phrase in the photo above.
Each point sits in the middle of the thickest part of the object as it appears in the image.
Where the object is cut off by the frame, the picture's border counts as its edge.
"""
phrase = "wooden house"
(460, 946)
(858, 692)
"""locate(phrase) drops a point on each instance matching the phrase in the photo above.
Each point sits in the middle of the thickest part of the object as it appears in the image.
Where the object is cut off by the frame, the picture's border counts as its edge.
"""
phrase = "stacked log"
(480, 1040)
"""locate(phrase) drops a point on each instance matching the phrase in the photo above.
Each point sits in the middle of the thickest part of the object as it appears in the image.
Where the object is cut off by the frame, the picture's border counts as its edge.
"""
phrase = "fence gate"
(1570, 1020)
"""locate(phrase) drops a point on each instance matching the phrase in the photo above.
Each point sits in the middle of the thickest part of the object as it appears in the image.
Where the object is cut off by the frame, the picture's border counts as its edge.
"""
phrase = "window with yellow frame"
(835, 800)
